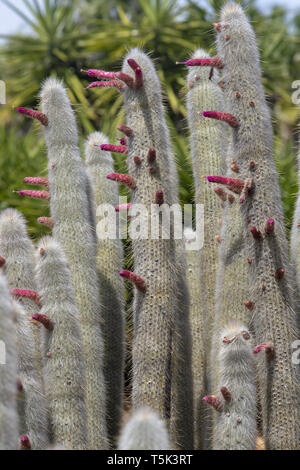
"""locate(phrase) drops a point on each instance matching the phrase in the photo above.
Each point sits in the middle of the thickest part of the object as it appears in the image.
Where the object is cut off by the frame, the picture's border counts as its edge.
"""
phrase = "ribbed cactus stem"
(144, 431)
(208, 150)
(235, 427)
(295, 236)
(41, 117)
(193, 274)
(64, 370)
(72, 215)
(9, 426)
(18, 251)
(109, 264)
(273, 318)
(154, 309)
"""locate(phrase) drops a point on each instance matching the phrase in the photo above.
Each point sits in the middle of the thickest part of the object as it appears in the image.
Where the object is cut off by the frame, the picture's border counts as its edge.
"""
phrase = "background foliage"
(67, 35)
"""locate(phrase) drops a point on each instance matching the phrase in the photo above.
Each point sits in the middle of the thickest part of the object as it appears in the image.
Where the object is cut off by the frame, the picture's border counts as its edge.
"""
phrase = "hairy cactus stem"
(225, 117)
(30, 294)
(44, 320)
(226, 394)
(135, 279)
(38, 181)
(122, 178)
(151, 156)
(2, 261)
(25, 443)
(34, 115)
(256, 233)
(45, 195)
(270, 226)
(47, 221)
(209, 62)
(123, 207)
(268, 347)
(125, 130)
(109, 84)
(113, 148)
(214, 401)
(233, 184)
(221, 193)
(159, 199)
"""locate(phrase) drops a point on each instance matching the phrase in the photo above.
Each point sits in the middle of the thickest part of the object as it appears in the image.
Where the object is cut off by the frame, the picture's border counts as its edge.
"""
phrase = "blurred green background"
(63, 36)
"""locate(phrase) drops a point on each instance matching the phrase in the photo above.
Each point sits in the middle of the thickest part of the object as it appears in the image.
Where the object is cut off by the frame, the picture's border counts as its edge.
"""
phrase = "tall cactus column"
(109, 264)
(208, 151)
(9, 426)
(154, 259)
(18, 251)
(72, 228)
(64, 371)
(266, 244)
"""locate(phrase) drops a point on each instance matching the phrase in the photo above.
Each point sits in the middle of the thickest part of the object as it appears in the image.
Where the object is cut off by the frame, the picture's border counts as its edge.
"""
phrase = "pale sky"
(10, 22)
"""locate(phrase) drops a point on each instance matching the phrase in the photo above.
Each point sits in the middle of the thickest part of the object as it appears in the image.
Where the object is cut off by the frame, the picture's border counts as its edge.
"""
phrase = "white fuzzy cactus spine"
(109, 264)
(144, 431)
(70, 210)
(9, 426)
(236, 426)
(64, 371)
(18, 251)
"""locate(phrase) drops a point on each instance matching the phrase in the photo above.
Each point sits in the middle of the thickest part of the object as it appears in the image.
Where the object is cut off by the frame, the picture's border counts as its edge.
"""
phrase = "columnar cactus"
(266, 244)
(235, 404)
(232, 286)
(70, 211)
(18, 252)
(109, 264)
(295, 236)
(9, 426)
(198, 339)
(64, 370)
(208, 151)
(154, 259)
(144, 431)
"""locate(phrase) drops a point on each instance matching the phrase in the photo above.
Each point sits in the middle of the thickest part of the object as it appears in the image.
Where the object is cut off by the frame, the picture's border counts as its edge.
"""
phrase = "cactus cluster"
(212, 326)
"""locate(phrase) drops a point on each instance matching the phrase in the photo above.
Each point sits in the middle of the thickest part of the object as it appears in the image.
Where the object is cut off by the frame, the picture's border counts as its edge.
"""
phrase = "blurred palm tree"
(65, 36)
